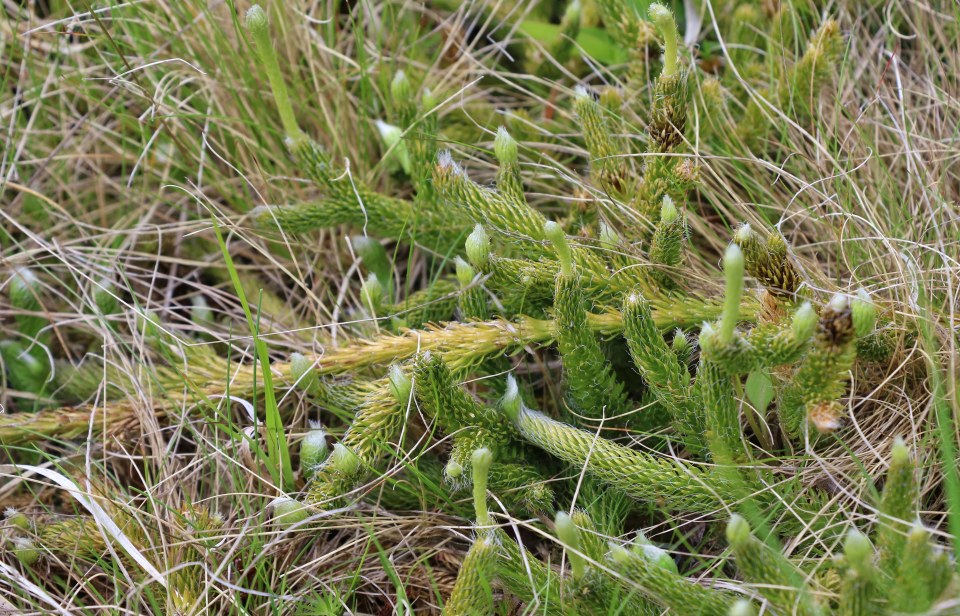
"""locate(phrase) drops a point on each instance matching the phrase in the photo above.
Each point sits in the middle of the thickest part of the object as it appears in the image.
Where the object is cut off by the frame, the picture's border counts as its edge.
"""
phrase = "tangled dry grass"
(131, 131)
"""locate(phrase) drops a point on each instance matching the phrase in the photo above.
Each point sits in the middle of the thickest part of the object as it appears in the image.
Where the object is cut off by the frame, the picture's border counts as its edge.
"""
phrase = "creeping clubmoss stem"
(733, 271)
(259, 27)
(555, 234)
(662, 18)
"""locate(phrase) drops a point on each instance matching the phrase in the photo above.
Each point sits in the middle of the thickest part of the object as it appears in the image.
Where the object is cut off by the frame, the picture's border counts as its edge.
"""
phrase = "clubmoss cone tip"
(256, 20)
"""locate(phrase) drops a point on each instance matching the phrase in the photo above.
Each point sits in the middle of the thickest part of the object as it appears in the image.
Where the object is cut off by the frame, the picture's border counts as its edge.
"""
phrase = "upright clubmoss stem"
(17, 519)
(259, 27)
(105, 297)
(571, 14)
(465, 272)
(478, 247)
(505, 147)
(287, 511)
(804, 322)
(481, 459)
(400, 89)
(511, 404)
(742, 608)
(24, 288)
(608, 236)
(662, 18)
(858, 550)
(371, 292)
(668, 211)
(864, 314)
(313, 449)
(374, 256)
(569, 534)
(554, 233)
(344, 460)
(25, 551)
(400, 384)
(733, 271)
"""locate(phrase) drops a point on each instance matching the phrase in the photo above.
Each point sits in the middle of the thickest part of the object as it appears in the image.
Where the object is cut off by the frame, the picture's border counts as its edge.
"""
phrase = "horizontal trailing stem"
(461, 345)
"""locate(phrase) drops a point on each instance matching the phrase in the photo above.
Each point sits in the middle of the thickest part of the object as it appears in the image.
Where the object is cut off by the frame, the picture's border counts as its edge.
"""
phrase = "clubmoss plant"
(782, 584)
(861, 577)
(473, 592)
(527, 314)
(25, 551)
(376, 424)
(287, 511)
(593, 387)
(313, 449)
(654, 572)
(259, 28)
(26, 357)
